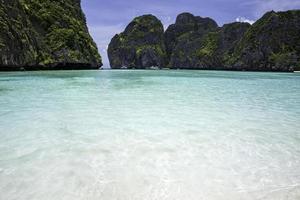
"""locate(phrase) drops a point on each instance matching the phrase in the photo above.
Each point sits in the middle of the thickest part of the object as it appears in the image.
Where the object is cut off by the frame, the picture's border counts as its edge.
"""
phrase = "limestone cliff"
(270, 44)
(140, 46)
(45, 34)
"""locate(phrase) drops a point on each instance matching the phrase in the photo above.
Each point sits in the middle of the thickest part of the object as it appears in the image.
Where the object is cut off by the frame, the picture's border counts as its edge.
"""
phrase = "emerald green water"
(154, 135)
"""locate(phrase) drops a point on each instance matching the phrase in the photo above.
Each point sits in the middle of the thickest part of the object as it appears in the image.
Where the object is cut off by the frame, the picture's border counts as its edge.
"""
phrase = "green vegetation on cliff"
(45, 34)
(270, 44)
(184, 37)
(140, 45)
(207, 46)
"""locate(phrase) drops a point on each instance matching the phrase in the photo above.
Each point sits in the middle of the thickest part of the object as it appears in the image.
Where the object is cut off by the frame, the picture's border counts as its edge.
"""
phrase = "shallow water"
(153, 135)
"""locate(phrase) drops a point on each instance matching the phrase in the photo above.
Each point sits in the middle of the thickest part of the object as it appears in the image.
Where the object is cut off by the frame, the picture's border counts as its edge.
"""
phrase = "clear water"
(153, 135)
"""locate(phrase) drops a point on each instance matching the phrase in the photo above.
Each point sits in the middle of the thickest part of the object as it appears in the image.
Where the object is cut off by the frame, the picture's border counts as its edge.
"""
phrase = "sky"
(105, 18)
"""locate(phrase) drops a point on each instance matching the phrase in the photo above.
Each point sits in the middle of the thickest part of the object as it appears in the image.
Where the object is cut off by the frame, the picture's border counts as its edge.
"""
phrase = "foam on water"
(153, 135)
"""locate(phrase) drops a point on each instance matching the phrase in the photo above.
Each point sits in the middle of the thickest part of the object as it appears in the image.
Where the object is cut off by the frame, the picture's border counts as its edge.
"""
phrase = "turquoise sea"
(149, 135)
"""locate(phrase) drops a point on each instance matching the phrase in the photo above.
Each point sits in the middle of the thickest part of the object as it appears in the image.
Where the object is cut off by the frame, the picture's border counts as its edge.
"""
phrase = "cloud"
(105, 18)
(243, 19)
(262, 6)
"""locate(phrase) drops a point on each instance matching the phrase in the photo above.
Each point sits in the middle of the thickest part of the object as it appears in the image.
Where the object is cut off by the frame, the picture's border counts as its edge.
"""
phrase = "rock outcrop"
(140, 46)
(184, 35)
(270, 44)
(209, 50)
(45, 34)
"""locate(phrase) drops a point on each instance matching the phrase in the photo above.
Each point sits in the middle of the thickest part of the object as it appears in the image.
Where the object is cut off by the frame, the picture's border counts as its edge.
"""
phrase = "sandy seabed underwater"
(151, 135)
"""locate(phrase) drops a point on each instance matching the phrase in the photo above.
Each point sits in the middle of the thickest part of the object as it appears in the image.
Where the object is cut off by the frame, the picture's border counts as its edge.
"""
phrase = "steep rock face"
(271, 44)
(140, 46)
(209, 50)
(230, 35)
(45, 34)
(217, 47)
(186, 28)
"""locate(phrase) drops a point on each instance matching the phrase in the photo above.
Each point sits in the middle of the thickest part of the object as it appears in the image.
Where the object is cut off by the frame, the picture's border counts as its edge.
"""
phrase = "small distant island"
(270, 44)
(53, 35)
